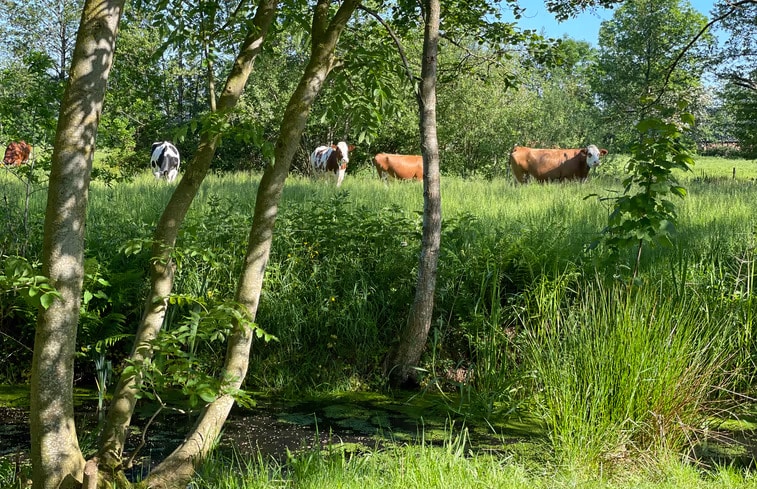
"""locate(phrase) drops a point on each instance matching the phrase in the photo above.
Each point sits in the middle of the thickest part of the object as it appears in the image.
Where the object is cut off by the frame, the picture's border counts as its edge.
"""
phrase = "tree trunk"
(166, 232)
(404, 357)
(179, 467)
(57, 461)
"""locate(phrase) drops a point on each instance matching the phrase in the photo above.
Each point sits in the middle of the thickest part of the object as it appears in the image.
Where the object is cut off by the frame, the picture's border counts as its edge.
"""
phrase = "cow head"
(343, 157)
(592, 155)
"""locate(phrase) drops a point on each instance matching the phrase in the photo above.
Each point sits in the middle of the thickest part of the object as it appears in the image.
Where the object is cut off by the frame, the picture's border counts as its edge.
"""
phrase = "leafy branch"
(645, 213)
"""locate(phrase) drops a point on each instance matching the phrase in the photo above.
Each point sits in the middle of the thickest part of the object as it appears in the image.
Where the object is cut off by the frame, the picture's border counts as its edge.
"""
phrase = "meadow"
(624, 381)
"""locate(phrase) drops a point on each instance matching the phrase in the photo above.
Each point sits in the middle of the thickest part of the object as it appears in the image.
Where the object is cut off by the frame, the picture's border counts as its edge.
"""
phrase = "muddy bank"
(271, 429)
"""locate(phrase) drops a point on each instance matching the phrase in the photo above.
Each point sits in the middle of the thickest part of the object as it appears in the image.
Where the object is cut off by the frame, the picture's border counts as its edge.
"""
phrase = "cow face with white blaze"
(332, 158)
(592, 156)
(165, 160)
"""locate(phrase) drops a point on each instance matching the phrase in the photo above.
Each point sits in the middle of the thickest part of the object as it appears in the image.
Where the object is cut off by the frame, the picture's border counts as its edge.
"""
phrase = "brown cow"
(554, 164)
(17, 153)
(402, 167)
(332, 159)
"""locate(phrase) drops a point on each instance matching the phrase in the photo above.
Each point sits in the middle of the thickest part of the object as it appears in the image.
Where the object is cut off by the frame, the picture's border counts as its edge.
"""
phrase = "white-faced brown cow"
(17, 153)
(332, 158)
(399, 167)
(554, 164)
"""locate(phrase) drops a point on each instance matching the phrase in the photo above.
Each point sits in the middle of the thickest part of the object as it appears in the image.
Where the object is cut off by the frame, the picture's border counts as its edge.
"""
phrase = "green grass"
(714, 168)
(542, 327)
(424, 466)
(622, 372)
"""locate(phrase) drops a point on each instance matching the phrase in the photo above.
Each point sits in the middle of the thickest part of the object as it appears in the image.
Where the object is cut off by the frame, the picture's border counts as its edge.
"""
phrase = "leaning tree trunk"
(166, 232)
(404, 357)
(179, 467)
(57, 461)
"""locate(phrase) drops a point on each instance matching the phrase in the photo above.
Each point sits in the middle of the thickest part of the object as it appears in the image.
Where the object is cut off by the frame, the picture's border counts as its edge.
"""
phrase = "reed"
(621, 372)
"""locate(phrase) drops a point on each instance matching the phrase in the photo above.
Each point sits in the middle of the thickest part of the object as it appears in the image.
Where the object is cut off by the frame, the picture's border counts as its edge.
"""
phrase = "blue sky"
(584, 27)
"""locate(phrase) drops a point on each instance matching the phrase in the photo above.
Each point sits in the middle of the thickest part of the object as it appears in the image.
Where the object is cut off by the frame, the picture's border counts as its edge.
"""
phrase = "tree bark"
(179, 467)
(161, 269)
(57, 461)
(404, 357)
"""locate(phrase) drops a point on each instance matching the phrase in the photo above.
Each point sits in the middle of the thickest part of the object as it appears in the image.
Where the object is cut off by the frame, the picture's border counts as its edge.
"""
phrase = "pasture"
(530, 322)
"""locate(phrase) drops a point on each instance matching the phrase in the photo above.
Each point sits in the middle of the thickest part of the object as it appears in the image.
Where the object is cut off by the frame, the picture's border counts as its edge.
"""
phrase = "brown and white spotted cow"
(17, 153)
(399, 167)
(554, 164)
(332, 158)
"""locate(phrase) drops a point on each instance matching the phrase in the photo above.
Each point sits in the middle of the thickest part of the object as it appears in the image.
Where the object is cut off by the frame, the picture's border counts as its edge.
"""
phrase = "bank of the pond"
(275, 428)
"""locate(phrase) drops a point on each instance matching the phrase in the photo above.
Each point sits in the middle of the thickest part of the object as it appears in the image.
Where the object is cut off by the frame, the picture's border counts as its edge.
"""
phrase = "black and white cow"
(165, 160)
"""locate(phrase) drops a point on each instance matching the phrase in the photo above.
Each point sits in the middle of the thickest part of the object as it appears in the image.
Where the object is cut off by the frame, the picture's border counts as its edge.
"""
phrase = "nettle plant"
(646, 212)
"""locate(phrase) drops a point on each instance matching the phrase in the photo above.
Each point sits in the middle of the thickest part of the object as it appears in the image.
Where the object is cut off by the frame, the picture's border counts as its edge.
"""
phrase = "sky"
(584, 27)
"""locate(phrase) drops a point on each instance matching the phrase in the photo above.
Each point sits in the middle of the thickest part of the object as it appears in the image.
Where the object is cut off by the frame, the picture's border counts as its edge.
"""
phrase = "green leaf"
(47, 299)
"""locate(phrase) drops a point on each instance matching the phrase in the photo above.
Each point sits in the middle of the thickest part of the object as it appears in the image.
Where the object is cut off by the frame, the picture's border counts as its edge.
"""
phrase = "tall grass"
(453, 466)
(622, 372)
(525, 317)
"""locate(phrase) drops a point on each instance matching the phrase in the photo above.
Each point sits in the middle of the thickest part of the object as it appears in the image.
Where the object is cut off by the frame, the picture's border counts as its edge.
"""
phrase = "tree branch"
(734, 6)
(413, 79)
(743, 82)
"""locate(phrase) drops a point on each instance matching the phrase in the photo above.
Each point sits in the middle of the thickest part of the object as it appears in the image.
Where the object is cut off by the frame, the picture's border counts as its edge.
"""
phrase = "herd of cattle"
(540, 164)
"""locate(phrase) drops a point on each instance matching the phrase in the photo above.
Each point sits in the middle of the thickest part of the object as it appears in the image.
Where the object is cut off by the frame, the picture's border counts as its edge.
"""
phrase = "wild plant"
(339, 284)
(23, 289)
(644, 212)
(618, 374)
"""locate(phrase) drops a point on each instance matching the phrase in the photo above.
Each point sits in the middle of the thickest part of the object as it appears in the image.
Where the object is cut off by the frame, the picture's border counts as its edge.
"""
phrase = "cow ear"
(584, 152)
(602, 152)
(351, 147)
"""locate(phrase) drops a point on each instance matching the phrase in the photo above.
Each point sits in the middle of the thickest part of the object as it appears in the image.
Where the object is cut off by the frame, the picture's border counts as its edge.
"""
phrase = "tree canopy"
(644, 58)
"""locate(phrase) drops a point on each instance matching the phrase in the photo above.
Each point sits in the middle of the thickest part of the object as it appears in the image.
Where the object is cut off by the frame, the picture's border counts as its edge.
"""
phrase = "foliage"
(22, 226)
(645, 213)
(479, 134)
(457, 463)
(21, 277)
(189, 356)
(741, 102)
(143, 106)
(735, 56)
(637, 51)
(29, 99)
(506, 251)
(48, 25)
(331, 259)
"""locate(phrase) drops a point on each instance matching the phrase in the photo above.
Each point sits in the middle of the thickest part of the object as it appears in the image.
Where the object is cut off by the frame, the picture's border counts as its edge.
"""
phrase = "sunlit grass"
(715, 168)
(622, 372)
(514, 266)
(423, 466)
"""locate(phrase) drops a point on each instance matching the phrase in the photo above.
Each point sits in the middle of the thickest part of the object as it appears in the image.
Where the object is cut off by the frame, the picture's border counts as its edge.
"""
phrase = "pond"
(352, 422)
(349, 422)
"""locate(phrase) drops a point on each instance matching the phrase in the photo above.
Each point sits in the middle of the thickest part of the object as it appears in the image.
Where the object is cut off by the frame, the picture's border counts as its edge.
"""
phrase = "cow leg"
(340, 176)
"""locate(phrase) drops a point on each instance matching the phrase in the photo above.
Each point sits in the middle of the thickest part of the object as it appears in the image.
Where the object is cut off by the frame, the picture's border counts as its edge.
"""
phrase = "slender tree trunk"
(179, 467)
(57, 461)
(404, 357)
(162, 268)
